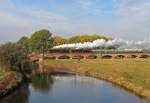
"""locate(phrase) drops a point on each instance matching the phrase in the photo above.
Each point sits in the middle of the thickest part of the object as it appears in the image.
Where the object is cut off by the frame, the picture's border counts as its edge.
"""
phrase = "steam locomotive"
(99, 51)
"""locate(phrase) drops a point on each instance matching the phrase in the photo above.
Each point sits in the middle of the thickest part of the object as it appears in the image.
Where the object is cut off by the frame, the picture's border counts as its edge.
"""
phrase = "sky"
(127, 19)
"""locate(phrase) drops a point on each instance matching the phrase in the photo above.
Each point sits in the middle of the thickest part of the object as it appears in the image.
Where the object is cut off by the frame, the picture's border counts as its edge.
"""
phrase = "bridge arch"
(92, 56)
(132, 56)
(78, 57)
(107, 57)
(120, 56)
(144, 56)
(50, 57)
(64, 57)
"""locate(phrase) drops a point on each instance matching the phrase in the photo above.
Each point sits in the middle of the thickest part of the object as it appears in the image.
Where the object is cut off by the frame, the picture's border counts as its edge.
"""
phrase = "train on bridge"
(95, 54)
(92, 54)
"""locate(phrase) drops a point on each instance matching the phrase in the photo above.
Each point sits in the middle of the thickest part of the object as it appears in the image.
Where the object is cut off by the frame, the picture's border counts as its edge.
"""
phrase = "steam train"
(104, 51)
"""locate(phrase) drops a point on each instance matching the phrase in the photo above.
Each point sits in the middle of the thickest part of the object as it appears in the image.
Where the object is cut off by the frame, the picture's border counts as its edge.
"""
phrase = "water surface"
(70, 89)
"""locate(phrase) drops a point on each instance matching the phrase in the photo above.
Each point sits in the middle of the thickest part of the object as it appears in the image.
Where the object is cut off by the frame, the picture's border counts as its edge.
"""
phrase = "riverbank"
(132, 74)
(8, 82)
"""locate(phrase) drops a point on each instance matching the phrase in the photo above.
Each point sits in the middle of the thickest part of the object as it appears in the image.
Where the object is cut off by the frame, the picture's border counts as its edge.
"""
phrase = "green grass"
(130, 73)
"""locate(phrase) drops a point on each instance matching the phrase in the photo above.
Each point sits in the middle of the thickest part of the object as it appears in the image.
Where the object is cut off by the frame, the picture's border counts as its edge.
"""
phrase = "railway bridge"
(92, 55)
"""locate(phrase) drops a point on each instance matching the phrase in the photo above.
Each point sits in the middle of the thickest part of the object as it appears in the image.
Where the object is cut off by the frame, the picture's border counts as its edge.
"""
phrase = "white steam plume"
(101, 43)
(87, 45)
(132, 45)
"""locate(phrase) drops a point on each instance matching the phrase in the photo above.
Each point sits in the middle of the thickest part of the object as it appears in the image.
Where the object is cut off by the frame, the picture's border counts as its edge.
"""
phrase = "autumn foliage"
(58, 40)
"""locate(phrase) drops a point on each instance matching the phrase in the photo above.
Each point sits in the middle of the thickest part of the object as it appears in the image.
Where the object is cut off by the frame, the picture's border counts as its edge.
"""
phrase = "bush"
(9, 81)
(15, 57)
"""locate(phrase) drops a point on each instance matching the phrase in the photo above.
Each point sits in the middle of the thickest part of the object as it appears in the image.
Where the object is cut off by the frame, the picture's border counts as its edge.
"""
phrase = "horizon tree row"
(42, 41)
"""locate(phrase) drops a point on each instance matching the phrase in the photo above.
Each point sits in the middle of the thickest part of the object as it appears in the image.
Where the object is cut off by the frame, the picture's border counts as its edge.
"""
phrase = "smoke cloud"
(133, 45)
(101, 43)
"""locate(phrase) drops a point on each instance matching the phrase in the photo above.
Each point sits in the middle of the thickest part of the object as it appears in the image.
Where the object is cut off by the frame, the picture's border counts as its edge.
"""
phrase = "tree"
(86, 38)
(41, 41)
(58, 40)
(14, 56)
(24, 43)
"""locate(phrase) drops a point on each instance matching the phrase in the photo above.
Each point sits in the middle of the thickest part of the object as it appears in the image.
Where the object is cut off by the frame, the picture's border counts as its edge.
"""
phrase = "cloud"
(12, 27)
(16, 21)
(23, 20)
(126, 19)
(88, 6)
(6, 4)
(133, 18)
(85, 3)
(135, 9)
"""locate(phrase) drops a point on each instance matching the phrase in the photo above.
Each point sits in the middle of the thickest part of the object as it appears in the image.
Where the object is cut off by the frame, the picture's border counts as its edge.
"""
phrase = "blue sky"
(127, 19)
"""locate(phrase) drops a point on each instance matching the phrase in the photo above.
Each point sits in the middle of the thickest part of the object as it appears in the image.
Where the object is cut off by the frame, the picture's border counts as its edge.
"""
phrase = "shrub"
(16, 58)
(9, 81)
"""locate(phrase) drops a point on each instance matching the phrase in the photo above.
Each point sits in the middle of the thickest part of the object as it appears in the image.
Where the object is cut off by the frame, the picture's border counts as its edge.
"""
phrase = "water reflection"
(47, 88)
(42, 82)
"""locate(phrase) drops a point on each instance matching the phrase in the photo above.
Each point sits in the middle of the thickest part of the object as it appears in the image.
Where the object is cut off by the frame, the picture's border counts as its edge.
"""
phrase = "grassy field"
(133, 74)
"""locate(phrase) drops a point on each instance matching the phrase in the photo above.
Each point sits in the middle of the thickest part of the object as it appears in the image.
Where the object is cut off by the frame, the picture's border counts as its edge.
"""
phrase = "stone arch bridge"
(86, 55)
(91, 55)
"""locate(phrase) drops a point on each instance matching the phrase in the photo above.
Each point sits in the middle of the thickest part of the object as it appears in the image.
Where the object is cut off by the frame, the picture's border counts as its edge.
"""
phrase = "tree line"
(58, 40)
(15, 56)
(42, 40)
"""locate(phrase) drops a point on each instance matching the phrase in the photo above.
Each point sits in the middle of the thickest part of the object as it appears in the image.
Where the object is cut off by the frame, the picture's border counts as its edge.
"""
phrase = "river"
(47, 88)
